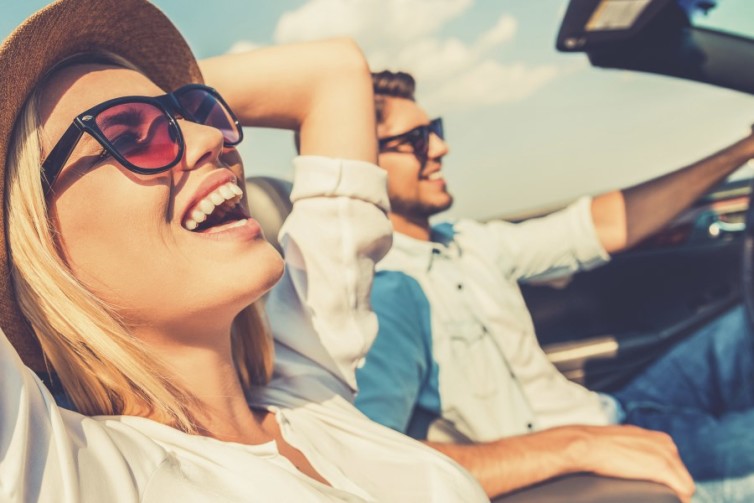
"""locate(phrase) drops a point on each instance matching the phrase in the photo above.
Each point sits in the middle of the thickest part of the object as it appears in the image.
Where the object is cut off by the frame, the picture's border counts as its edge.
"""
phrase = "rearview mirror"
(657, 36)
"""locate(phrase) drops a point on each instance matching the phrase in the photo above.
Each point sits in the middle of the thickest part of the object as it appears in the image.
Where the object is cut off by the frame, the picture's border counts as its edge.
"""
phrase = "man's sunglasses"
(142, 132)
(417, 138)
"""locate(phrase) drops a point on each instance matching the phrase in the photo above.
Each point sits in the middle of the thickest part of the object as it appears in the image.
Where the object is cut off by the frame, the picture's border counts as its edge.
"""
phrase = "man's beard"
(417, 209)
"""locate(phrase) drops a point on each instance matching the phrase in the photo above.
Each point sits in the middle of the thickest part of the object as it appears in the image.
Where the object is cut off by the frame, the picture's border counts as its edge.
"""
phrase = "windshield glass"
(732, 16)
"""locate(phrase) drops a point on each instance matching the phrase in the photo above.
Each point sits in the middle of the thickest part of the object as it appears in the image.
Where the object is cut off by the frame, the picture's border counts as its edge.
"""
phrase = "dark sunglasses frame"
(85, 122)
(423, 132)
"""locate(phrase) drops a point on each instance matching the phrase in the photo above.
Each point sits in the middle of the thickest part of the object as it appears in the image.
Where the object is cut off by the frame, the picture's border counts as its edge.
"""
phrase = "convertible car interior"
(601, 327)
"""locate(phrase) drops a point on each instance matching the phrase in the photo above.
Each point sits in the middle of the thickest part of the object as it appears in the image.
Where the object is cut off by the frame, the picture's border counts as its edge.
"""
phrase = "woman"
(134, 263)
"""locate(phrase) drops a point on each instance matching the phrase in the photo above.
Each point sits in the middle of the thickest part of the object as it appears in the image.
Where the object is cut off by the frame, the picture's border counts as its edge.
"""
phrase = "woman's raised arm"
(338, 228)
(321, 89)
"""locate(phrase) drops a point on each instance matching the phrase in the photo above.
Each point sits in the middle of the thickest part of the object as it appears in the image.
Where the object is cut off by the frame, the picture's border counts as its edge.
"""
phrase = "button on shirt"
(456, 358)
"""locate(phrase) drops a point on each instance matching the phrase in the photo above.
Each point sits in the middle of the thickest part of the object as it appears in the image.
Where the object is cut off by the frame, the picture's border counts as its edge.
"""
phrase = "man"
(457, 363)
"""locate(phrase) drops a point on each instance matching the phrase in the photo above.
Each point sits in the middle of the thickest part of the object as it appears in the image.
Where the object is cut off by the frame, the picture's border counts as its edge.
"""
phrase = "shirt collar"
(417, 253)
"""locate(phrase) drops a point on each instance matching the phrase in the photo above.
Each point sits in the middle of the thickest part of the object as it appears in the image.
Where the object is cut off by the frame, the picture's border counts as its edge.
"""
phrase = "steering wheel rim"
(747, 258)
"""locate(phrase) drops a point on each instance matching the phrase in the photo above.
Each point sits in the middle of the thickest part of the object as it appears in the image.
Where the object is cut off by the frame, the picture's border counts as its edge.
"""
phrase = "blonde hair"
(102, 367)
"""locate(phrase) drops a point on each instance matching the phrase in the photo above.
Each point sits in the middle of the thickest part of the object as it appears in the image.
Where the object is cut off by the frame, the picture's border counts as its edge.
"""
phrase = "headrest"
(270, 203)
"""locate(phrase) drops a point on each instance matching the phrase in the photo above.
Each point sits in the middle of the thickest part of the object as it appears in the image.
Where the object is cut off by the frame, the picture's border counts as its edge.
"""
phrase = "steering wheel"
(747, 262)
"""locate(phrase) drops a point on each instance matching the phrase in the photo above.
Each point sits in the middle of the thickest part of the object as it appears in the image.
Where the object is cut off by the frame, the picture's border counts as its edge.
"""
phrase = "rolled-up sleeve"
(555, 245)
(337, 231)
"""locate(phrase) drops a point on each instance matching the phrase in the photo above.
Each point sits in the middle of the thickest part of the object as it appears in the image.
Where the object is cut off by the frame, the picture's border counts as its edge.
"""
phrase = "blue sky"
(528, 126)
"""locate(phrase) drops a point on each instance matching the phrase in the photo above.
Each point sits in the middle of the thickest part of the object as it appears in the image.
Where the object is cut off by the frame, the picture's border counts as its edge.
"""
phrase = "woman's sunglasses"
(142, 132)
(417, 138)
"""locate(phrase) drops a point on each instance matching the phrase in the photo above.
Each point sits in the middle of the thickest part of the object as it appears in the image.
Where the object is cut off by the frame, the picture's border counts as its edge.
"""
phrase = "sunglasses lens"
(141, 133)
(205, 108)
(436, 127)
(420, 142)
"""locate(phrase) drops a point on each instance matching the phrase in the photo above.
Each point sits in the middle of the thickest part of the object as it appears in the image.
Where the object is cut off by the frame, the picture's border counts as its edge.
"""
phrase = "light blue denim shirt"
(456, 357)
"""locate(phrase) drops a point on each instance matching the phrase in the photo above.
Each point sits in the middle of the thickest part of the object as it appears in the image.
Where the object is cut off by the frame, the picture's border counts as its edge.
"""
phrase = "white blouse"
(323, 326)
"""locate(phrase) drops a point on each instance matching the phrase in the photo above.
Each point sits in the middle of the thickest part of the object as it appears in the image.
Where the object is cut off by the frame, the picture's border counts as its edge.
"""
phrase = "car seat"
(269, 203)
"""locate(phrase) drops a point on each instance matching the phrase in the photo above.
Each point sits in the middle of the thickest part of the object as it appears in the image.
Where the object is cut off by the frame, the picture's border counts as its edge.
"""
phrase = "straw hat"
(133, 29)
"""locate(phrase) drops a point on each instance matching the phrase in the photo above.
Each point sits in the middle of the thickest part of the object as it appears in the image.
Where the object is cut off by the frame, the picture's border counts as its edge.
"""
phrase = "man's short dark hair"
(393, 85)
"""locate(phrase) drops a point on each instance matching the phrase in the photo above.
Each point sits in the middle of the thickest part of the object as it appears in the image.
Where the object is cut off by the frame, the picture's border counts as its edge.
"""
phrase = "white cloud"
(370, 21)
(322, 18)
(502, 32)
(407, 35)
(453, 74)
(490, 83)
(430, 60)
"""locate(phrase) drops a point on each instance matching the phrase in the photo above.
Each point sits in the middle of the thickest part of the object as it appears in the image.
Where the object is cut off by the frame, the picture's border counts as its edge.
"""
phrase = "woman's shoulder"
(368, 453)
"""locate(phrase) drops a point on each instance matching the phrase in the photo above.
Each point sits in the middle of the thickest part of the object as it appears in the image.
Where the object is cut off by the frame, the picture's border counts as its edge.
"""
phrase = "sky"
(528, 127)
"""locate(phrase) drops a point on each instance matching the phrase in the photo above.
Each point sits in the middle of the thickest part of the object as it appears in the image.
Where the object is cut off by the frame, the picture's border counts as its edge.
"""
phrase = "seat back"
(269, 203)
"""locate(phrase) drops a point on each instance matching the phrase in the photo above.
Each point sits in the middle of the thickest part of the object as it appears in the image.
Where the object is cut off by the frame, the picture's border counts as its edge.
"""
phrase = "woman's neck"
(207, 371)
(205, 368)
(222, 411)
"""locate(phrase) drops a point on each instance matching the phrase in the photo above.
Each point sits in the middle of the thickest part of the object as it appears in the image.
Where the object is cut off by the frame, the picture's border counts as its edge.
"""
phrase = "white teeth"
(226, 192)
(437, 175)
(222, 194)
(217, 198)
(206, 206)
(198, 216)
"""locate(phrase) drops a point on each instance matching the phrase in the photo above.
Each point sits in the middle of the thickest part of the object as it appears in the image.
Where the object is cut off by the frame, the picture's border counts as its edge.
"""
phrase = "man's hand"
(624, 218)
(630, 452)
(625, 452)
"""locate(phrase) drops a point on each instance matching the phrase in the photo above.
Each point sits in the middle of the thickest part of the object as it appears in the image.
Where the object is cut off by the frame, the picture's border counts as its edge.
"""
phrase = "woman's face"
(126, 236)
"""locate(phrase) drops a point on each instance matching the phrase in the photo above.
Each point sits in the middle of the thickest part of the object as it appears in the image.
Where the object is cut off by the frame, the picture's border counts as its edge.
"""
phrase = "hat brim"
(133, 29)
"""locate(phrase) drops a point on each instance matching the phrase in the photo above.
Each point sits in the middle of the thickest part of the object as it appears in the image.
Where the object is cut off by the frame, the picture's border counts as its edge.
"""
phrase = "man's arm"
(625, 452)
(624, 218)
(388, 393)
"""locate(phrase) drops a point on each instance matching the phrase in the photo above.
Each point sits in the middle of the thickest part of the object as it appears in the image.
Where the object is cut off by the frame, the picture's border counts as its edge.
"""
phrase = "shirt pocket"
(476, 357)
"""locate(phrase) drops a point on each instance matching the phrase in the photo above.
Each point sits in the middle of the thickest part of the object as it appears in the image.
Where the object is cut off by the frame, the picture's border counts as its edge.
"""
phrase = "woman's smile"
(112, 239)
(219, 207)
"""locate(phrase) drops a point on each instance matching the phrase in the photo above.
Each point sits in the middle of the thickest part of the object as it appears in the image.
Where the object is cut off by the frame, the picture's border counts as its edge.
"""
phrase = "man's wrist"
(575, 445)
(749, 142)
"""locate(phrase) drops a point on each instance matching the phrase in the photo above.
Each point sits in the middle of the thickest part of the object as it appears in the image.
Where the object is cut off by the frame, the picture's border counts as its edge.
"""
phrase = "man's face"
(415, 190)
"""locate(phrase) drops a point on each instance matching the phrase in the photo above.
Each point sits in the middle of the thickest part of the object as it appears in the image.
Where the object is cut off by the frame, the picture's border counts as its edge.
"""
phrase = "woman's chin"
(260, 277)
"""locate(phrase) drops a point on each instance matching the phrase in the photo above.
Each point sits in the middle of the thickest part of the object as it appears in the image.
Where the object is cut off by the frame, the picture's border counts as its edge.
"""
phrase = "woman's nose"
(202, 144)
